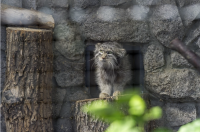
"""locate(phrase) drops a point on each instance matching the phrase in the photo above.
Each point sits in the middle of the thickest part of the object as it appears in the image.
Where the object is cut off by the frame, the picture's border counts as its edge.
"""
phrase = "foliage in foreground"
(132, 120)
(191, 127)
(129, 113)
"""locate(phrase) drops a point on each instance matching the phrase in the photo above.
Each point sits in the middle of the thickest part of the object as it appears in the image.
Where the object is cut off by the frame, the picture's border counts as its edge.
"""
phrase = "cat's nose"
(103, 56)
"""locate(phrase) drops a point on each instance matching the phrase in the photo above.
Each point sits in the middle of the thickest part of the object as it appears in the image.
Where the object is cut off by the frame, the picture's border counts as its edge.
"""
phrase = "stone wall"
(170, 80)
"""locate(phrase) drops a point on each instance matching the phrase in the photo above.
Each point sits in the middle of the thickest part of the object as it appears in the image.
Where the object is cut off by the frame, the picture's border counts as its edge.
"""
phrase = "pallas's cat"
(112, 68)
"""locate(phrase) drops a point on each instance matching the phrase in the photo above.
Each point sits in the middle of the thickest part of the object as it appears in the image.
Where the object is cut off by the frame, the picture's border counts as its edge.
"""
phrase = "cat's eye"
(109, 52)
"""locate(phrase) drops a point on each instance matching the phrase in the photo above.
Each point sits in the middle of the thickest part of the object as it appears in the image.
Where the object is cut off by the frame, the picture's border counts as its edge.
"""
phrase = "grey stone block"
(3, 33)
(166, 23)
(178, 60)
(111, 24)
(3, 123)
(3, 45)
(63, 64)
(56, 110)
(44, 3)
(60, 3)
(144, 2)
(154, 57)
(70, 78)
(174, 84)
(192, 34)
(65, 31)
(182, 3)
(198, 109)
(85, 3)
(59, 15)
(77, 93)
(160, 122)
(3, 69)
(78, 15)
(72, 50)
(174, 129)
(58, 95)
(138, 12)
(68, 43)
(29, 4)
(65, 111)
(57, 101)
(46, 10)
(155, 2)
(110, 14)
(3, 56)
(16, 3)
(63, 125)
(197, 43)
(115, 2)
(3, 79)
(154, 101)
(189, 13)
(3, 59)
(180, 113)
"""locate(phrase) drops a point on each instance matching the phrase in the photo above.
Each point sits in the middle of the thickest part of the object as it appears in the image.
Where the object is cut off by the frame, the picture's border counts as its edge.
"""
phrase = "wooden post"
(26, 98)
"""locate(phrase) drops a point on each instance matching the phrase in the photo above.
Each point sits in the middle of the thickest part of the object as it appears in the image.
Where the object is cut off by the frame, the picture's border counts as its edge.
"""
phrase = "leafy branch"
(127, 114)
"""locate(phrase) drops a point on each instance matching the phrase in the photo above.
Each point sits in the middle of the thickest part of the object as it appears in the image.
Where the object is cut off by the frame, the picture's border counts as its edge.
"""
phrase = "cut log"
(86, 123)
(26, 98)
(24, 17)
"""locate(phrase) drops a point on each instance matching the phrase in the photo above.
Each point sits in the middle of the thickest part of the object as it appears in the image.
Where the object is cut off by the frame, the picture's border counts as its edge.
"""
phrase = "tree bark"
(84, 122)
(26, 98)
(24, 17)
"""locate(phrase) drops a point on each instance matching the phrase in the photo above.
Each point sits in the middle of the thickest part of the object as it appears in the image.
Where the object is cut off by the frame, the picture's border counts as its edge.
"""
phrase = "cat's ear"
(97, 45)
(122, 52)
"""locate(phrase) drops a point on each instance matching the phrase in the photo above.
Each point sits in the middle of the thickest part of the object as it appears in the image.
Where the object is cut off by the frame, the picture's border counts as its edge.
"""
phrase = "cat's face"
(107, 55)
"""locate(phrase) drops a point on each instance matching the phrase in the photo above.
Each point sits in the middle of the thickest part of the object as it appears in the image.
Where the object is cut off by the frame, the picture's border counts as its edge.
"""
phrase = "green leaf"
(137, 105)
(127, 95)
(103, 110)
(125, 125)
(95, 106)
(191, 127)
(154, 113)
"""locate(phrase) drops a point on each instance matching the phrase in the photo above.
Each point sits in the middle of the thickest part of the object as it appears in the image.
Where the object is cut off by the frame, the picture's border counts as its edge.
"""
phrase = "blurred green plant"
(128, 113)
(191, 127)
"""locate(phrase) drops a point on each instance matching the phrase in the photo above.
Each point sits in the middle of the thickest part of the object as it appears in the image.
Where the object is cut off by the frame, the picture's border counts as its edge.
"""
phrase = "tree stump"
(26, 98)
(86, 123)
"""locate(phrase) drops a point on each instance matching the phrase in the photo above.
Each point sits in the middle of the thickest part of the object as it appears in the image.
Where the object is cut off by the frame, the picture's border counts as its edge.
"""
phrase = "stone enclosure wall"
(170, 80)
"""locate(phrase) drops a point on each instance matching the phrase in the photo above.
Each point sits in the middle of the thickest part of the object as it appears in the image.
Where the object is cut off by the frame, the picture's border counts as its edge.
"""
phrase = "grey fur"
(112, 68)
